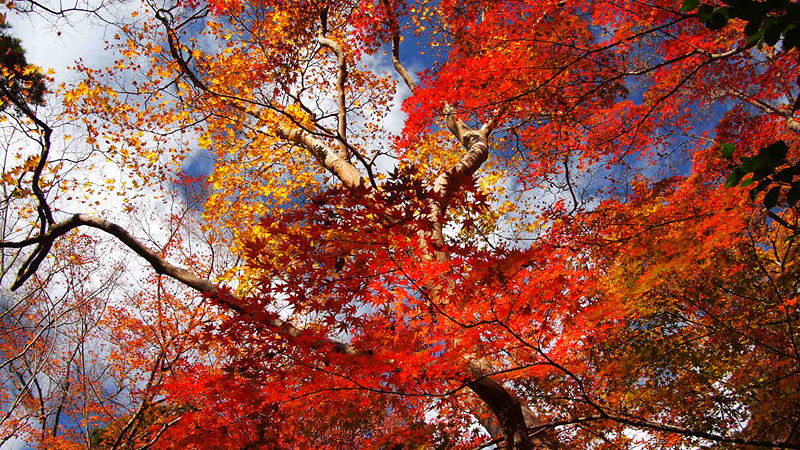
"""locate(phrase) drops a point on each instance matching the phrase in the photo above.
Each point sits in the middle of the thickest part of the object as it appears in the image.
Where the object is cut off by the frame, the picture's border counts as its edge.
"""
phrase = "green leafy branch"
(767, 21)
(769, 171)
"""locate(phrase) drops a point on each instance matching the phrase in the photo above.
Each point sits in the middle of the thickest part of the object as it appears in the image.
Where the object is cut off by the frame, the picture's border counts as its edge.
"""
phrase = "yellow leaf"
(204, 141)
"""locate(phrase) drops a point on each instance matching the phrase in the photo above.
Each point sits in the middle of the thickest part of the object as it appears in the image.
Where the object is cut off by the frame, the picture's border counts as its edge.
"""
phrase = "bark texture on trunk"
(513, 417)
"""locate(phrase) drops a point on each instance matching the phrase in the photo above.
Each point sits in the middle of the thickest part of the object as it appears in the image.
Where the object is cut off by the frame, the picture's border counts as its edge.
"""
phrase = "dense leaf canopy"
(581, 235)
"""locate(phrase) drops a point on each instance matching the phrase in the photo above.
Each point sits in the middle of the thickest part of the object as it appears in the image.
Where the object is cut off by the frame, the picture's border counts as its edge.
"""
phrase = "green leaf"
(717, 18)
(791, 38)
(689, 5)
(794, 169)
(734, 177)
(771, 199)
(724, 11)
(737, 5)
(727, 150)
(756, 37)
(793, 9)
(777, 151)
(747, 164)
(762, 173)
(773, 4)
(763, 184)
(762, 162)
(704, 11)
(748, 182)
(773, 34)
(793, 196)
(752, 27)
(784, 176)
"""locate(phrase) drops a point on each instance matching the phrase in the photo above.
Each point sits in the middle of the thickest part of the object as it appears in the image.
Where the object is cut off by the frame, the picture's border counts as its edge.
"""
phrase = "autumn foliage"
(544, 255)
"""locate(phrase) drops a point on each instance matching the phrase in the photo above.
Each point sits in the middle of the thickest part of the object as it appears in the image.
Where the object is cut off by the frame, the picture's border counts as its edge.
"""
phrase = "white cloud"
(57, 46)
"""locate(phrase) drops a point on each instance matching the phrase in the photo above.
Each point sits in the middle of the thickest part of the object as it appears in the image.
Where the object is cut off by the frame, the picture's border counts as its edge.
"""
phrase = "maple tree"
(547, 251)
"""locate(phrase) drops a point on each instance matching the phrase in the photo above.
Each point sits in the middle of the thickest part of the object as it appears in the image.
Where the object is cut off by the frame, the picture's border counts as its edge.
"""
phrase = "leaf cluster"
(768, 173)
(767, 21)
(20, 81)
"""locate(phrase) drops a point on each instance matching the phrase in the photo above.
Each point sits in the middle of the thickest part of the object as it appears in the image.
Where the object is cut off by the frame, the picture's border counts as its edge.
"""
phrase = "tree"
(81, 348)
(20, 80)
(547, 249)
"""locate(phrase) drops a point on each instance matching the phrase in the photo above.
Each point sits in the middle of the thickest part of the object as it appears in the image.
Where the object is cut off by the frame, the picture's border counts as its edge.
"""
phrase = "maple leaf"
(546, 248)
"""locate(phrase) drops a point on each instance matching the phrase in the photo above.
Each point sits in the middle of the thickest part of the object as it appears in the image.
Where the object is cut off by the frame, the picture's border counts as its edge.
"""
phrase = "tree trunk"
(513, 417)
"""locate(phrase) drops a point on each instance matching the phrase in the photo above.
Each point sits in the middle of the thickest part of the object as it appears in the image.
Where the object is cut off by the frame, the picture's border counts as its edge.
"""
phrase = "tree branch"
(332, 161)
(398, 65)
(161, 267)
(45, 214)
(449, 181)
(792, 123)
(336, 162)
(341, 79)
(639, 423)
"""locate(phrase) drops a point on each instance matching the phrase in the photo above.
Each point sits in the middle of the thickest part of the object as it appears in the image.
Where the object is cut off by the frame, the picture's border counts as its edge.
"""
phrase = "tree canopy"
(581, 233)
